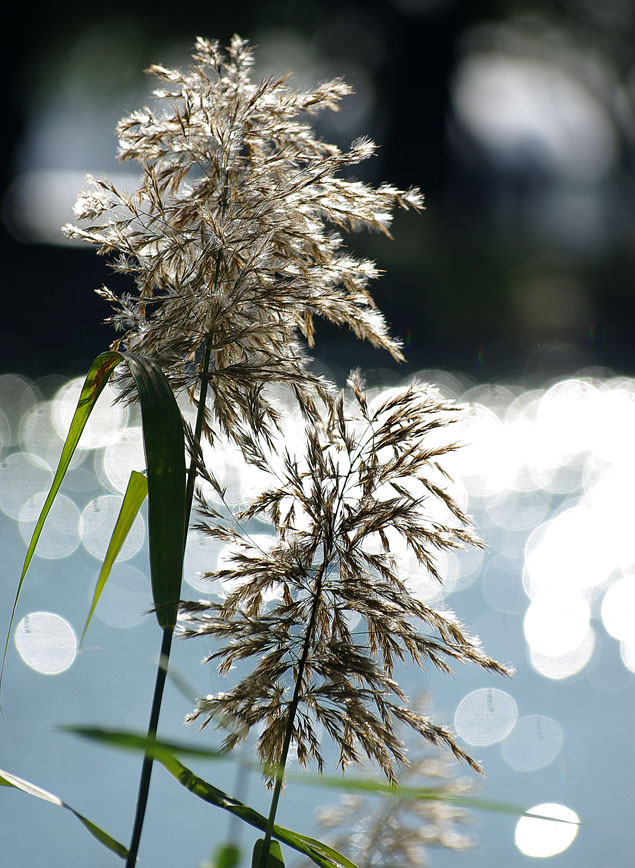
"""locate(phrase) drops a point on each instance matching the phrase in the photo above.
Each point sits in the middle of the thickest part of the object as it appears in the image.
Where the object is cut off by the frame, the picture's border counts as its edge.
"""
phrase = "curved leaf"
(9, 780)
(160, 748)
(274, 855)
(163, 752)
(96, 379)
(127, 740)
(164, 445)
(133, 498)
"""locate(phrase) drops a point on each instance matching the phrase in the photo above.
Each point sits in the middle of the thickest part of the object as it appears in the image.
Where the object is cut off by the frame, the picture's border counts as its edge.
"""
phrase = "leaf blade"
(94, 383)
(164, 444)
(163, 752)
(9, 780)
(136, 493)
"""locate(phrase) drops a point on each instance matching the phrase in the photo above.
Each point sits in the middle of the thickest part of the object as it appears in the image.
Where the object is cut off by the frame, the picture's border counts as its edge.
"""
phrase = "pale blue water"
(548, 480)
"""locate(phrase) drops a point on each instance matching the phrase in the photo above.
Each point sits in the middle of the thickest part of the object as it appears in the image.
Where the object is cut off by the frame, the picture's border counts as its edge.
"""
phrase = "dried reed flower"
(397, 832)
(367, 488)
(232, 235)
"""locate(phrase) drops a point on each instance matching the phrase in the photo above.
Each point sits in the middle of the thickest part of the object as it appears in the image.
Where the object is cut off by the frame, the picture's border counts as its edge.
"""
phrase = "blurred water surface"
(548, 476)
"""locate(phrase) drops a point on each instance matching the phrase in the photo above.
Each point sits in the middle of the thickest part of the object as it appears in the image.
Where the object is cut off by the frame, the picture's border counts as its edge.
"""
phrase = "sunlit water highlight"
(548, 477)
(541, 837)
(46, 642)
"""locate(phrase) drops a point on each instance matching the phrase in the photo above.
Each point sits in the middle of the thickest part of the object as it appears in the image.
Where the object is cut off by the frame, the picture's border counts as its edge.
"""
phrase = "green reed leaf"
(96, 379)
(380, 788)
(227, 856)
(127, 740)
(136, 492)
(9, 780)
(163, 752)
(274, 856)
(164, 446)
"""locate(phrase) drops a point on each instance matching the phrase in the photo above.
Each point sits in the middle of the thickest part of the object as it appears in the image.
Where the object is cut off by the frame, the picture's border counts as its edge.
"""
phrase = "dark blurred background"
(515, 118)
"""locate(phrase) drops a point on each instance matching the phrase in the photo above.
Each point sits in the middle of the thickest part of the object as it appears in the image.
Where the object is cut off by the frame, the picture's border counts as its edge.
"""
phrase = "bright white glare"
(104, 423)
(534, 743)
(21, 474)
(487, 462)
(566, 420)
(228, 465)
(530, 111)
(126, 597)
(485, 716)
(120, 457)
(618, 609)
(613, 416)
(46, 642)
(611, 500)
(556, 623)
(39, 437)
(542, 838)
(59, 537)
(565, 665)
(569, 553)
(97, 524)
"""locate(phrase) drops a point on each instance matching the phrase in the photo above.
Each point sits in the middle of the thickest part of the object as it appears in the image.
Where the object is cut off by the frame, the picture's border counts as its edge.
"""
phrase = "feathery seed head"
(365, 492)
(232, 236)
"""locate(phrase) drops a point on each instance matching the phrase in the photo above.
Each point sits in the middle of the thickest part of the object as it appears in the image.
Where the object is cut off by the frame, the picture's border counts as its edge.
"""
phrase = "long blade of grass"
(127, 740)
(9, 780)
(96, 379)
(133, 498)
(319, 853)
(373, 787)
(163, 752)
(164, 444)
(166, 749)
(273, 858)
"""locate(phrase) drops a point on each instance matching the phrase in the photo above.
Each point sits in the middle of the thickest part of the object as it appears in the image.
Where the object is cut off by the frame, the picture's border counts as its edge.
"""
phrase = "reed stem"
(166, 642)
(295, 701)
(146, 769)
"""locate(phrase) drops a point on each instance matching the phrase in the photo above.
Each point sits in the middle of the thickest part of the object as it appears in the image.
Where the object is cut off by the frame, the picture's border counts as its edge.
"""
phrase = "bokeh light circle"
(539, 837)
(485, 716)
(121, 456)
(60, 534)
(564, 665)
(556, 623)
(534, 743)
(126, 597)
(618, 609)
(46, 642)
(105, 421)
(97, 523)
(21, 475)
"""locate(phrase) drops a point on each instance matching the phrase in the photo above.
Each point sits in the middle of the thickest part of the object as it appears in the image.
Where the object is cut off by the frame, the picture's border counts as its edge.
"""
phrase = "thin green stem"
(166, 642)
(146, 769)
(295, 701)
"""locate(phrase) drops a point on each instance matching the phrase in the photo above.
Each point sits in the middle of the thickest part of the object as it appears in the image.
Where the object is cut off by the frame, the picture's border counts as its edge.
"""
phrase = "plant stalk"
(295, 701)
(166, 642)
(146, 769)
